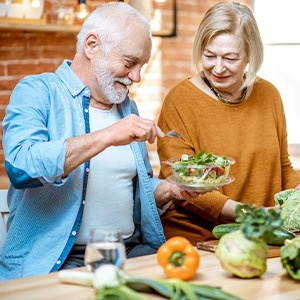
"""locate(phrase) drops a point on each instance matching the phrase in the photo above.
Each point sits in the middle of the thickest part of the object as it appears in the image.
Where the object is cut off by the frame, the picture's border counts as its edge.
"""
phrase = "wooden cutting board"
(273, 251)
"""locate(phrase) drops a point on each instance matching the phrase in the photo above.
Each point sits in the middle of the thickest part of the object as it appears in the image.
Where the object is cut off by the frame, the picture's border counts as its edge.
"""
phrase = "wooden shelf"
(41, 28)
(35, 25)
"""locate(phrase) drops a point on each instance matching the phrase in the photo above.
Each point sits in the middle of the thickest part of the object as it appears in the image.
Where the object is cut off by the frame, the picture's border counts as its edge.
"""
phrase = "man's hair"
(110, 21)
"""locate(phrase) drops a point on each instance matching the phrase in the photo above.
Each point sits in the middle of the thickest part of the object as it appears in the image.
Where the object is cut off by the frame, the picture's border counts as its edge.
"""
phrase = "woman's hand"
(272, 207)
(228, 211)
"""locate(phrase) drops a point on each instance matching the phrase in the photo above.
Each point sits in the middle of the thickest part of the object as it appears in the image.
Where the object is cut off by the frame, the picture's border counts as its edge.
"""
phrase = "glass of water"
(105, 246)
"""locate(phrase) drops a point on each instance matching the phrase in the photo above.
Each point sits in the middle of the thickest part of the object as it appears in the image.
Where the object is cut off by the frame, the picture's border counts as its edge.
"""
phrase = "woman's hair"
(232, 18)
(110, 21)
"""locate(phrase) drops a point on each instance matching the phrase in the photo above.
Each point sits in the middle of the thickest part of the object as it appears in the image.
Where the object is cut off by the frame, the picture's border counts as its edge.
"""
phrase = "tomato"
(220, 171)
(192, 171)
(179, 258)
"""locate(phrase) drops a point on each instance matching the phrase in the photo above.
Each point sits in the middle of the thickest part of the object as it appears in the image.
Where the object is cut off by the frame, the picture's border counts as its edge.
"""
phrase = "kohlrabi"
(244, 252)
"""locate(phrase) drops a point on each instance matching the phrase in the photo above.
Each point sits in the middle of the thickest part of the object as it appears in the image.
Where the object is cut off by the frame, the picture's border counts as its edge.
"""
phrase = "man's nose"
(135, 74)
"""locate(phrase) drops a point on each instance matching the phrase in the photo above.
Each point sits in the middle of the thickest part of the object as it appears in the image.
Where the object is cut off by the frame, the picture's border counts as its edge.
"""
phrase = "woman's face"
(224, 62)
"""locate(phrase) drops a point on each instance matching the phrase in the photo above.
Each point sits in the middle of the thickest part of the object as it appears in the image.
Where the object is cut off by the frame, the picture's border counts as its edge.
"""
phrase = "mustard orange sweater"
(252, 132)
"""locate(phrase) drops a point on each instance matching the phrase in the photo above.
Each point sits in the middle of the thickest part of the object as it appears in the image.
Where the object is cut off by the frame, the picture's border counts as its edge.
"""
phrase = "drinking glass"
(105, 246)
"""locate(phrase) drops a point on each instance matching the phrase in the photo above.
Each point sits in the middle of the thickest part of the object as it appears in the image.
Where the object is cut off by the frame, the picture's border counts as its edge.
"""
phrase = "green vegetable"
(219, 230)
(244, 252)
(256, 222)
(275, 237)
(179, 289)
(112, 283)
(290, 257)
(202, 168)
(242, 257)
(121, 292)
(278, 236)
(202, 158)
(108, 275)
(289, 201)
(76, 277)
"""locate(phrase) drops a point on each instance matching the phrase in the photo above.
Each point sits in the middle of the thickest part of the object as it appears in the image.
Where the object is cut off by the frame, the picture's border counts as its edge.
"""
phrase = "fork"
(173, 133)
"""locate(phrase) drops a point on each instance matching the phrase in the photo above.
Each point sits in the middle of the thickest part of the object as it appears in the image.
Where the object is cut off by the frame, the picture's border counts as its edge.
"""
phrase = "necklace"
(223, 99)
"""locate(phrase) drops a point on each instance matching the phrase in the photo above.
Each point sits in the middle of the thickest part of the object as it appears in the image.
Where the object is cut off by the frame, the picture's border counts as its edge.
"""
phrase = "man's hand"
(167, 191)
(133, 128)
(127, 130)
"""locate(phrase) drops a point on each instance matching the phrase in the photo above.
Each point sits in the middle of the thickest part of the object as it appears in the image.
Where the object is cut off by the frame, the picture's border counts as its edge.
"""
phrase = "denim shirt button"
(86, 92)
(87, 170)
(74, 233)
(58, 262)
(86, 110)
(83, 202)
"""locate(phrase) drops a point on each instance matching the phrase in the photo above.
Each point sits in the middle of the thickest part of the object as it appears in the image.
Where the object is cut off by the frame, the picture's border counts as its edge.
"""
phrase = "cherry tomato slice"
(192, 170)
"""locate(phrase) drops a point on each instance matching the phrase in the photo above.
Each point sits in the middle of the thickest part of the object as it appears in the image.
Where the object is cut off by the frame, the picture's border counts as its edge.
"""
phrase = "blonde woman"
(224, 108)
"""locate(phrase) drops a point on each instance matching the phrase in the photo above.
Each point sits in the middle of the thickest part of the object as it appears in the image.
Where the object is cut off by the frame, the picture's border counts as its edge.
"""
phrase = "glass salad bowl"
(202, 172)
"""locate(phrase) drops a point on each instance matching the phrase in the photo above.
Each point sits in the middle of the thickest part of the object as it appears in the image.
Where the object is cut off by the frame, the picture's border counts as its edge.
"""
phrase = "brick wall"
(26, 52)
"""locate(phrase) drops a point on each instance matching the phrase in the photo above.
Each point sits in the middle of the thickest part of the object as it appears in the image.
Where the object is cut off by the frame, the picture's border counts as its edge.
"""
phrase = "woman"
(225, 109)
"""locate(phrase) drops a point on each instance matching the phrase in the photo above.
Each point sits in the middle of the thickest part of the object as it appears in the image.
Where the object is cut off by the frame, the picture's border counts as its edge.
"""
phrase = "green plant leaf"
(150, 286)
(256, 222)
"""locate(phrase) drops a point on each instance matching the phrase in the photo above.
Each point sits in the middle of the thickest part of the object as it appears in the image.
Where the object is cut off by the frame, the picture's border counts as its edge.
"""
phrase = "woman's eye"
(230, 59)
(209, 56)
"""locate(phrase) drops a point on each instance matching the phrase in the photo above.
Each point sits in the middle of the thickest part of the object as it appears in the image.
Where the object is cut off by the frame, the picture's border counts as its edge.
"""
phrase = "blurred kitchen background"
(37, 35)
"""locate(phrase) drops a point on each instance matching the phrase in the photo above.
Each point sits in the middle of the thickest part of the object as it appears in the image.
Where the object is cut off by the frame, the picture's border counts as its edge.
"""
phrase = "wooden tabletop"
(275, 284)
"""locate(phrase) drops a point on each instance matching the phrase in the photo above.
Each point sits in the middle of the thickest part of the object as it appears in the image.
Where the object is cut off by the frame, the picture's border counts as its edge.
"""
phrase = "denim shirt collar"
(70, 79)
(76, 86)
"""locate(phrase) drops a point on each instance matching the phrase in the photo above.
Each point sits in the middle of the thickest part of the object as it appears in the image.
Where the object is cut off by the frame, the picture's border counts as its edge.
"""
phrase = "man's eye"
(128, 63)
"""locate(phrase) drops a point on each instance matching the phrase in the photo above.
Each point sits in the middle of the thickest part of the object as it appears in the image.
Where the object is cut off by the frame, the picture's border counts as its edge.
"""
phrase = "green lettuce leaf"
(289, 201)
(290, 257)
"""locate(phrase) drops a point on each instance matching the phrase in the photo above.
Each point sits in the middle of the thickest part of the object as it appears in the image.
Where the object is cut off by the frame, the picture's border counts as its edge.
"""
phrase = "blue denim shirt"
(46, 209)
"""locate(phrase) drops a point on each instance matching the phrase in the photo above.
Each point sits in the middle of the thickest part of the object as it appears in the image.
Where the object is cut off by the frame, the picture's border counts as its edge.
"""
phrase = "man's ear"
(91, 45)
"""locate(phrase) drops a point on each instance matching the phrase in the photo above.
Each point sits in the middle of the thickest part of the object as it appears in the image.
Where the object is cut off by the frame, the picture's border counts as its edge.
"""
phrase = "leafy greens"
(289, 201)
(290, 257)
(203, 158)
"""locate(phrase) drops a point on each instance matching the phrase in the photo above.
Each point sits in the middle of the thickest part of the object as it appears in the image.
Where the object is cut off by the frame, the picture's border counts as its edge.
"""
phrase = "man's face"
(114, 88)
(116, 70)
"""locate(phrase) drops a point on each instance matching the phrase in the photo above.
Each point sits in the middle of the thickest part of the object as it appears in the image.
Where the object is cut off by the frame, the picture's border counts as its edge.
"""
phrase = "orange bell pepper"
(179, 258)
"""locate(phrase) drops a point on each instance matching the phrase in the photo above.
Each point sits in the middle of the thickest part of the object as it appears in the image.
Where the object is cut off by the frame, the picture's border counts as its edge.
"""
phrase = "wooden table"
(274, 284)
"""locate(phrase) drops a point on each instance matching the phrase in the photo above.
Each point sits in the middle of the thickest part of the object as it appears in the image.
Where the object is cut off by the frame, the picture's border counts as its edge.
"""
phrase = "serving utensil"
(173, 133)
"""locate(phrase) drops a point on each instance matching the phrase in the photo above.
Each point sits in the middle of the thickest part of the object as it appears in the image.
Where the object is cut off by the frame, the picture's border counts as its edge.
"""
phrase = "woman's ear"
(91, 45)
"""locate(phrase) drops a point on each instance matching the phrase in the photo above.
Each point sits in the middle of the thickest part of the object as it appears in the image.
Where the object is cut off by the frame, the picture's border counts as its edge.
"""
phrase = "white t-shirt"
(109, 197)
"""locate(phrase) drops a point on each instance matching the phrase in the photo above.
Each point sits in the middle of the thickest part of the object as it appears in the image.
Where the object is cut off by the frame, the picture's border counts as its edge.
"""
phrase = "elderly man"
(75, 152)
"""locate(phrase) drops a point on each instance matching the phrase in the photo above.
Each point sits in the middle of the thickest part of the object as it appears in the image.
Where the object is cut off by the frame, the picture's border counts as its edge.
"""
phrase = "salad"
(202, 168)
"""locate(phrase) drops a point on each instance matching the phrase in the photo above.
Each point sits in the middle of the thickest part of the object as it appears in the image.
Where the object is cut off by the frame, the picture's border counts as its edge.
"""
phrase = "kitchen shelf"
(7, 24)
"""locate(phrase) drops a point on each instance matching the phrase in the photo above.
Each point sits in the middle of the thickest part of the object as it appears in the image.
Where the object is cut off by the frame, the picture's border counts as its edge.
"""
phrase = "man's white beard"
(106, 82)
